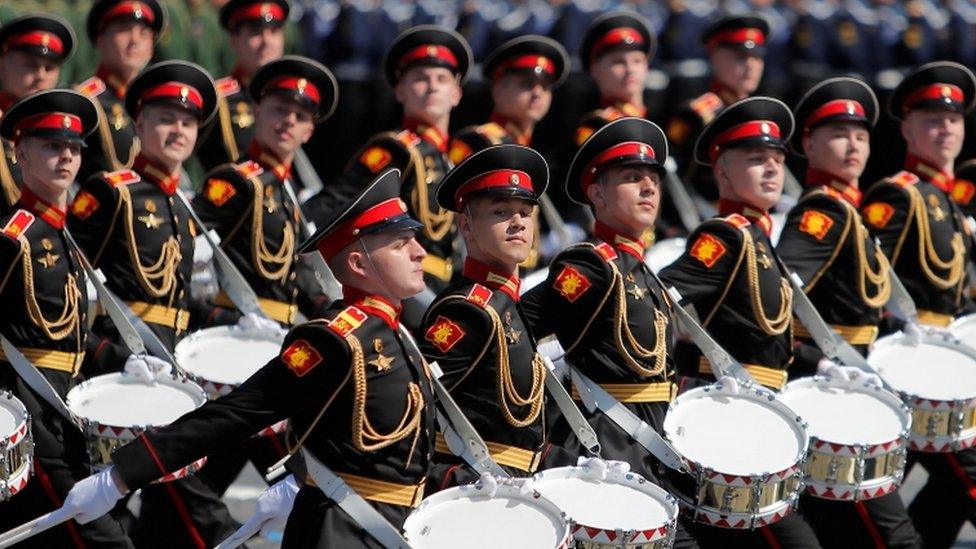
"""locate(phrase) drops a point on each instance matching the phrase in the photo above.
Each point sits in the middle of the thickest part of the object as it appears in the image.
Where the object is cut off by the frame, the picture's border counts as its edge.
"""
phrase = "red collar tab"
(483, 274)
(625, 243)
(494, 179)
(299, 86)
(756, 216)
(627, 150)
(166, 181)
(131, 9)
(268, 160)
(539, 64)
(834, 186)
(753, 128)
(373, 304)
(178, 91)
(439, 55)
(620, 36)
(113, 82)
(58, 121)
(749, 37)
(428, 133)
(36, 38)
(926, 172)
(348, 231)
(53, 215)
(838, 107)
(520, 137)
(948, 93)
(268, 13)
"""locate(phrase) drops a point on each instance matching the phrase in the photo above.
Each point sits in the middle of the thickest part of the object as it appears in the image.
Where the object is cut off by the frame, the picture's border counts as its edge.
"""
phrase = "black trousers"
(947, 500)
(879, 522)
(317, 522)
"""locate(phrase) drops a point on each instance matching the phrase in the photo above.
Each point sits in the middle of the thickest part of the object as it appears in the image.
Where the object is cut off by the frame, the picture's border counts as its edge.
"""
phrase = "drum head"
(664, 253)
(226, 354)
(124, 401)
(965, 329)
(12, 414)
(928, 370)
(845, 415)
(627, 502)
(463, 517)
(744, 434)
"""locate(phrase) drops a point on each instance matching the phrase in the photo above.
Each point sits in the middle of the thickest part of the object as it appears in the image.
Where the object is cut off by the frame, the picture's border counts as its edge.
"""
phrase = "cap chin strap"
(379, 273)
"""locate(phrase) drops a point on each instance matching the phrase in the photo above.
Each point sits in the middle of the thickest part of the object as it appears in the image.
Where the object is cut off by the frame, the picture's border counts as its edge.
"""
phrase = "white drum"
(17, 461)
(858, 437)
(221, 358)
(117, 408)
(964, 328)
(938, 382)
(464, 516)
(664, 253)
(743, 452)
(622, 510)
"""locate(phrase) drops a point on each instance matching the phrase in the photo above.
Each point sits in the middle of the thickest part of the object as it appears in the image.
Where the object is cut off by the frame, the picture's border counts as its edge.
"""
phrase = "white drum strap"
(577, 421)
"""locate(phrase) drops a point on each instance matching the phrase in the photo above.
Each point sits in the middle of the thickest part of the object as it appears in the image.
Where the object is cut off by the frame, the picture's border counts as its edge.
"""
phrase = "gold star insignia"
(48, 260)
(151, 221)
(763, 259)
(381, 362)
(511, 334)
(637, 292)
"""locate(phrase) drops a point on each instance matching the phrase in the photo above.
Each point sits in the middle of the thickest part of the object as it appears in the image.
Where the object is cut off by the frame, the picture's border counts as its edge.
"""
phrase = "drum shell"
(16, 448)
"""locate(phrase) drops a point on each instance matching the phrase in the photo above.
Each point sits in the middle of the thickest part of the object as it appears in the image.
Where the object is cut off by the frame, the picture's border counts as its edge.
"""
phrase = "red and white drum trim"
(16, 446)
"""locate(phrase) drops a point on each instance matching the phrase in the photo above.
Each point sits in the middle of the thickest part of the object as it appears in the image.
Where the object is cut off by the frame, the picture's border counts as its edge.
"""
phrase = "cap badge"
(764, 128)
(513, 179)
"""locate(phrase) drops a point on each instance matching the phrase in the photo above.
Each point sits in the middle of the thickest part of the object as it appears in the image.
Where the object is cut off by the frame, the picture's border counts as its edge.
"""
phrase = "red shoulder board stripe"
(904, 179)
(738, 221)
(408, 138)
(301, 357)
(606, 251)
(227, 85)
(91, 87)
(479, 295)
(119, 178)
(19, 223)
(347, 320)
(249, 168)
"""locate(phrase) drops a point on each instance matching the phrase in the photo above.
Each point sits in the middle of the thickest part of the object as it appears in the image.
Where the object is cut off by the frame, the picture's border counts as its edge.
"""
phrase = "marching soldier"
(359, 399)
(845, 274)
(475, 330)
(734, 279)
(43, 292)
(426, 67)
(257, 36)
(32, 50)
(602, 302)
(247, 203)
(926, 238)
(524, 71)
(124, 33)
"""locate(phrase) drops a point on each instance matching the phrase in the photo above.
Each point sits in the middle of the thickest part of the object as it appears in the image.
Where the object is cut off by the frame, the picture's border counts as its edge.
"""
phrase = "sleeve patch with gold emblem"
(878, 214)
(19, 223)
(375, 158)
(444, 333)
(678, 130)
(707, 249)
(816, 224)
(963, 191)
(219, 191)
(459, 151)
(571, 283)
(301, 357)
(84, 205)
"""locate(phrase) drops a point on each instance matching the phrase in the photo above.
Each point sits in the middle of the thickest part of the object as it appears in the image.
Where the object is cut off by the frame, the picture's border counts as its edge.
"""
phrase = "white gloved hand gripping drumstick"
(271, 512)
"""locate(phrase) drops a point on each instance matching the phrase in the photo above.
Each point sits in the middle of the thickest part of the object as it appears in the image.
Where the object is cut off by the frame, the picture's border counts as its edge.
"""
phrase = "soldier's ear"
(595, 194)
(807, 144)
(357, 263)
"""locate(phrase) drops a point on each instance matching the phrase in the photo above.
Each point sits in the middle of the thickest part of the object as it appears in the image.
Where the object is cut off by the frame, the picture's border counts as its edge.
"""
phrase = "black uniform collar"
(927, 172)
(268, 160)
(492, 278)
(373, 304)
(112, 81)
(156, 174)
(428, 133)
(41, 208)
(834, 186)
(625, 243)
(754, 215)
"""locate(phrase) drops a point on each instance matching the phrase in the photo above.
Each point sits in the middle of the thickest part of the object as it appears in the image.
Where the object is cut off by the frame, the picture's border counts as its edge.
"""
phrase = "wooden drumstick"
(34, 527)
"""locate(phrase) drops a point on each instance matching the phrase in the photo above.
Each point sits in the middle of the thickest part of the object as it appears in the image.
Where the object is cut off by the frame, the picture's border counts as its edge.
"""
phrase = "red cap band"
(837, 107)
(132, 9)
(173, 90)
(626, 149)
(737, 36)
(428, 51)
(268, 12)
(621, 35)
(42, 39)
(934, 92)
(347, 232)
(300, 86)
(494, 179)
(526, 62)
(49, 121)
(754, 128)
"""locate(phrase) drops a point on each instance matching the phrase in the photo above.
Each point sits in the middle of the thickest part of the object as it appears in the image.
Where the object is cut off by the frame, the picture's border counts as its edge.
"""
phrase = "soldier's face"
(428, 93)
(51, 164)
(753, 176)
(841, 150)
(498, 231)
(393, 266)
(626, 197)
(22, 74)
(167, 134)
(737, 70)
(935, 136)
(255, 45)
(282, 125)
(524, 98)
(620, 75)
(126, 46)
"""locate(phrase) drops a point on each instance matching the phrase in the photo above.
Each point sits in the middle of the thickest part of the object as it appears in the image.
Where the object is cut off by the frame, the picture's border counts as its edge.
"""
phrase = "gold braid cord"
(159, 278)
(506, 393)
(927, 256)
(779, 323)
(364, 436)
(271, 265)
(880, 278)
(436, 224)
(621, 329)
(10, 191)
(65, 324)
(226, 129)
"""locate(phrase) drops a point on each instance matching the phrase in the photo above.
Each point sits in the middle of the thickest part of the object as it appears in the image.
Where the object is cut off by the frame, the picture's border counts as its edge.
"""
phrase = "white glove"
(914, 334)
(255, 323)
(849, 374)
(488, 483)
(596, 467)
(202, 252)
(147, 368)
(92, 497)
(273, 506)
(731, 383)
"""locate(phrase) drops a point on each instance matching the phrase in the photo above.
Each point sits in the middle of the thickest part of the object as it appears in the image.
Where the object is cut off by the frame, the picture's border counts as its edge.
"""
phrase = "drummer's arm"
(312, 365)
(701, 273)
(884, 210)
